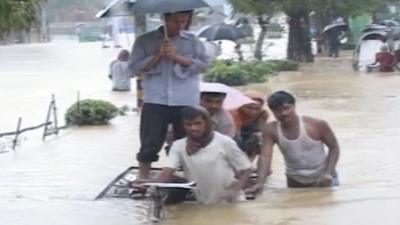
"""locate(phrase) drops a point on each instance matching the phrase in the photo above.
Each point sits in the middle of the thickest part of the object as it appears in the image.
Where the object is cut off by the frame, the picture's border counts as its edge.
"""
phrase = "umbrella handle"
(165, 29)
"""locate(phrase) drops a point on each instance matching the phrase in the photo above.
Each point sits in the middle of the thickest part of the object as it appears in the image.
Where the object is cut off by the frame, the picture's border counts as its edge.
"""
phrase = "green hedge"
(348, 46)
(90, 112)
(284, 65)
(235, 73)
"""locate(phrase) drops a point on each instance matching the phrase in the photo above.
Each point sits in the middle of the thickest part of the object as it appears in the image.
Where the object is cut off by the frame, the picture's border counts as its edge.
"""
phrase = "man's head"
(212, 101)
(282, 104)
(253, 110)
(123, 55)
(177, 21)
(196, 121)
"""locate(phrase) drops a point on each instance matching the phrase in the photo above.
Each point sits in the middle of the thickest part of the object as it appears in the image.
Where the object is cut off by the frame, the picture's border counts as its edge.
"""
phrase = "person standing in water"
(302, 141)
(170, 59)
(120, 74)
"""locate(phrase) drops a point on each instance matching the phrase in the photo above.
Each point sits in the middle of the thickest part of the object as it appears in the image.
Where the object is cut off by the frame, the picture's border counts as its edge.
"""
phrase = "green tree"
(298, 12)
(17, 15)
(73, 10)
(263, 11)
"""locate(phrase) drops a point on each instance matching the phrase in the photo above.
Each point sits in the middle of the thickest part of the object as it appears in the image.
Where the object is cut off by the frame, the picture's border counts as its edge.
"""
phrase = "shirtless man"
(301, 140)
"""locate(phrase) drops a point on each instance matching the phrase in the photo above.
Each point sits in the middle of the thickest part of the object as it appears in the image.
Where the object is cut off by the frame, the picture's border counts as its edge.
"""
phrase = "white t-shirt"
(212, 168)
(121, 76)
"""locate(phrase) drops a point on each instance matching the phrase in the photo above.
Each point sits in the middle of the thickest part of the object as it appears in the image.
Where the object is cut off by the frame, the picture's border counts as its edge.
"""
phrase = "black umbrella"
(220, 31)
(165, 6)
(335, 27)
(117, 8)
(373, 27)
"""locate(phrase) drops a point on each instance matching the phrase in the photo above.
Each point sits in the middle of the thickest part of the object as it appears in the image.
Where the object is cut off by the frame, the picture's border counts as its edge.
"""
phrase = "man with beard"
(212, 160)
(301, 140)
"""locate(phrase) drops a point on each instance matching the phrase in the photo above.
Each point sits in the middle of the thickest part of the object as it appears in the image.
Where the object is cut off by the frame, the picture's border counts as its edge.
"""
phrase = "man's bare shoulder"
(316, 124)
(313, 121)
(271, 130)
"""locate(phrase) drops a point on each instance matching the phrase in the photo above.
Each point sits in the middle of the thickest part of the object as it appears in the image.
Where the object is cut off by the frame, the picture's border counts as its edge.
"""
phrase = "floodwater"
(55, 182)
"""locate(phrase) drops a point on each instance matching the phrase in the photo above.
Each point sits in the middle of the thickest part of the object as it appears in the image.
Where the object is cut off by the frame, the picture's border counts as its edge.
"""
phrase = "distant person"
(250, 121)
(120, 73)
(334, 43)
(170, 63)
(302, 141)
(212, 160)
(384, 60)
(397, 56)
(223, 121)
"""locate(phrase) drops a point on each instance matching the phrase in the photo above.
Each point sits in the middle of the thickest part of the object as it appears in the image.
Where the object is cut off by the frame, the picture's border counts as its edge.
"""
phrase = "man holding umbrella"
(171, 60)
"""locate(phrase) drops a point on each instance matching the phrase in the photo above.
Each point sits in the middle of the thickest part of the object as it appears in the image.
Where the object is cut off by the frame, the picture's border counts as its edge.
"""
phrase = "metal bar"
(111, 184)
(25, 129)
(47, 120)
(17, 133)
(55, 114)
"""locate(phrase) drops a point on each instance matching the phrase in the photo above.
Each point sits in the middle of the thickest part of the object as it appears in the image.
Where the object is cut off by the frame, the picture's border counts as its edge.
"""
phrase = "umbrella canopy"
(165, 6)
(335, 26)
(117, 8)
(390, 23)
(373, 27)
(220, 31)
(234, 98)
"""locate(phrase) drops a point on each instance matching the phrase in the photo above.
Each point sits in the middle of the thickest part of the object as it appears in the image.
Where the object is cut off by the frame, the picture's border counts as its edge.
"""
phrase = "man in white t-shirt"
(212, 160)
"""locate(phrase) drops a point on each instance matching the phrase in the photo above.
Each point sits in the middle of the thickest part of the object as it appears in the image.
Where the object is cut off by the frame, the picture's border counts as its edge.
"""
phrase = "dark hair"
(191, 113)
(168, 14)
(280, 98)
(212, 94)
(123, 55)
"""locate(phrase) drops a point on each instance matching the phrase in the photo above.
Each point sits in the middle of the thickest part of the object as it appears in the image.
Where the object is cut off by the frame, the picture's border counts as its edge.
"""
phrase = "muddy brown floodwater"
(54, 182)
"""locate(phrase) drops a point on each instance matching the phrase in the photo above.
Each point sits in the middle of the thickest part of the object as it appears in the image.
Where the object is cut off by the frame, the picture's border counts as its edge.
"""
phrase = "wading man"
(302, 141)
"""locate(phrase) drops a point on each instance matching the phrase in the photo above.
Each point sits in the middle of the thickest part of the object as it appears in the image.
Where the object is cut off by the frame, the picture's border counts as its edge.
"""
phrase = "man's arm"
(239, 162)
(242, 178)
(164, 177)
(193, 64)
(329, 139)
(264, 159)
(140, 61)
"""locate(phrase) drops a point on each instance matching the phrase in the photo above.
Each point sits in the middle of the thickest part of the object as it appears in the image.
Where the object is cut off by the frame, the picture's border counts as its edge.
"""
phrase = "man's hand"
(169, 50)
(255, 189)
(229, 195)
(324, 180)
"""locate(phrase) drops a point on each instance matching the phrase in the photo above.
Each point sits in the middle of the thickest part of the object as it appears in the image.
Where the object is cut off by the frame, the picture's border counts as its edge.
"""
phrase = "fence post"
(51, 111)
(15, 141)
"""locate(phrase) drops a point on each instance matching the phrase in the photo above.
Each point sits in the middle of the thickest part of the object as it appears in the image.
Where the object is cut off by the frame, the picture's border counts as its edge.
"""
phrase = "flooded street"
(55, 182)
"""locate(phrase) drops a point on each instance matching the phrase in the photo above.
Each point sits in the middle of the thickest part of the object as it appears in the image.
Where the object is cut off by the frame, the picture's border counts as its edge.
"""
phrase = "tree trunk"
(299, 46)
(258, 52)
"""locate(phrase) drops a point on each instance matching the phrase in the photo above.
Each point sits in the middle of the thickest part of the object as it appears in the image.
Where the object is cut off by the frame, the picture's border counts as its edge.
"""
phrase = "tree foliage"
(73, 10)
(263, 10)
(18, 15)
(298, 12)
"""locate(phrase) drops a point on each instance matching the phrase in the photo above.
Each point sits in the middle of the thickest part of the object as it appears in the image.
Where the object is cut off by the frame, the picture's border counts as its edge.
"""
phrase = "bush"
(348, 46)
(227, 72)
(284, 65)
(90, 112)
(235, 73)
